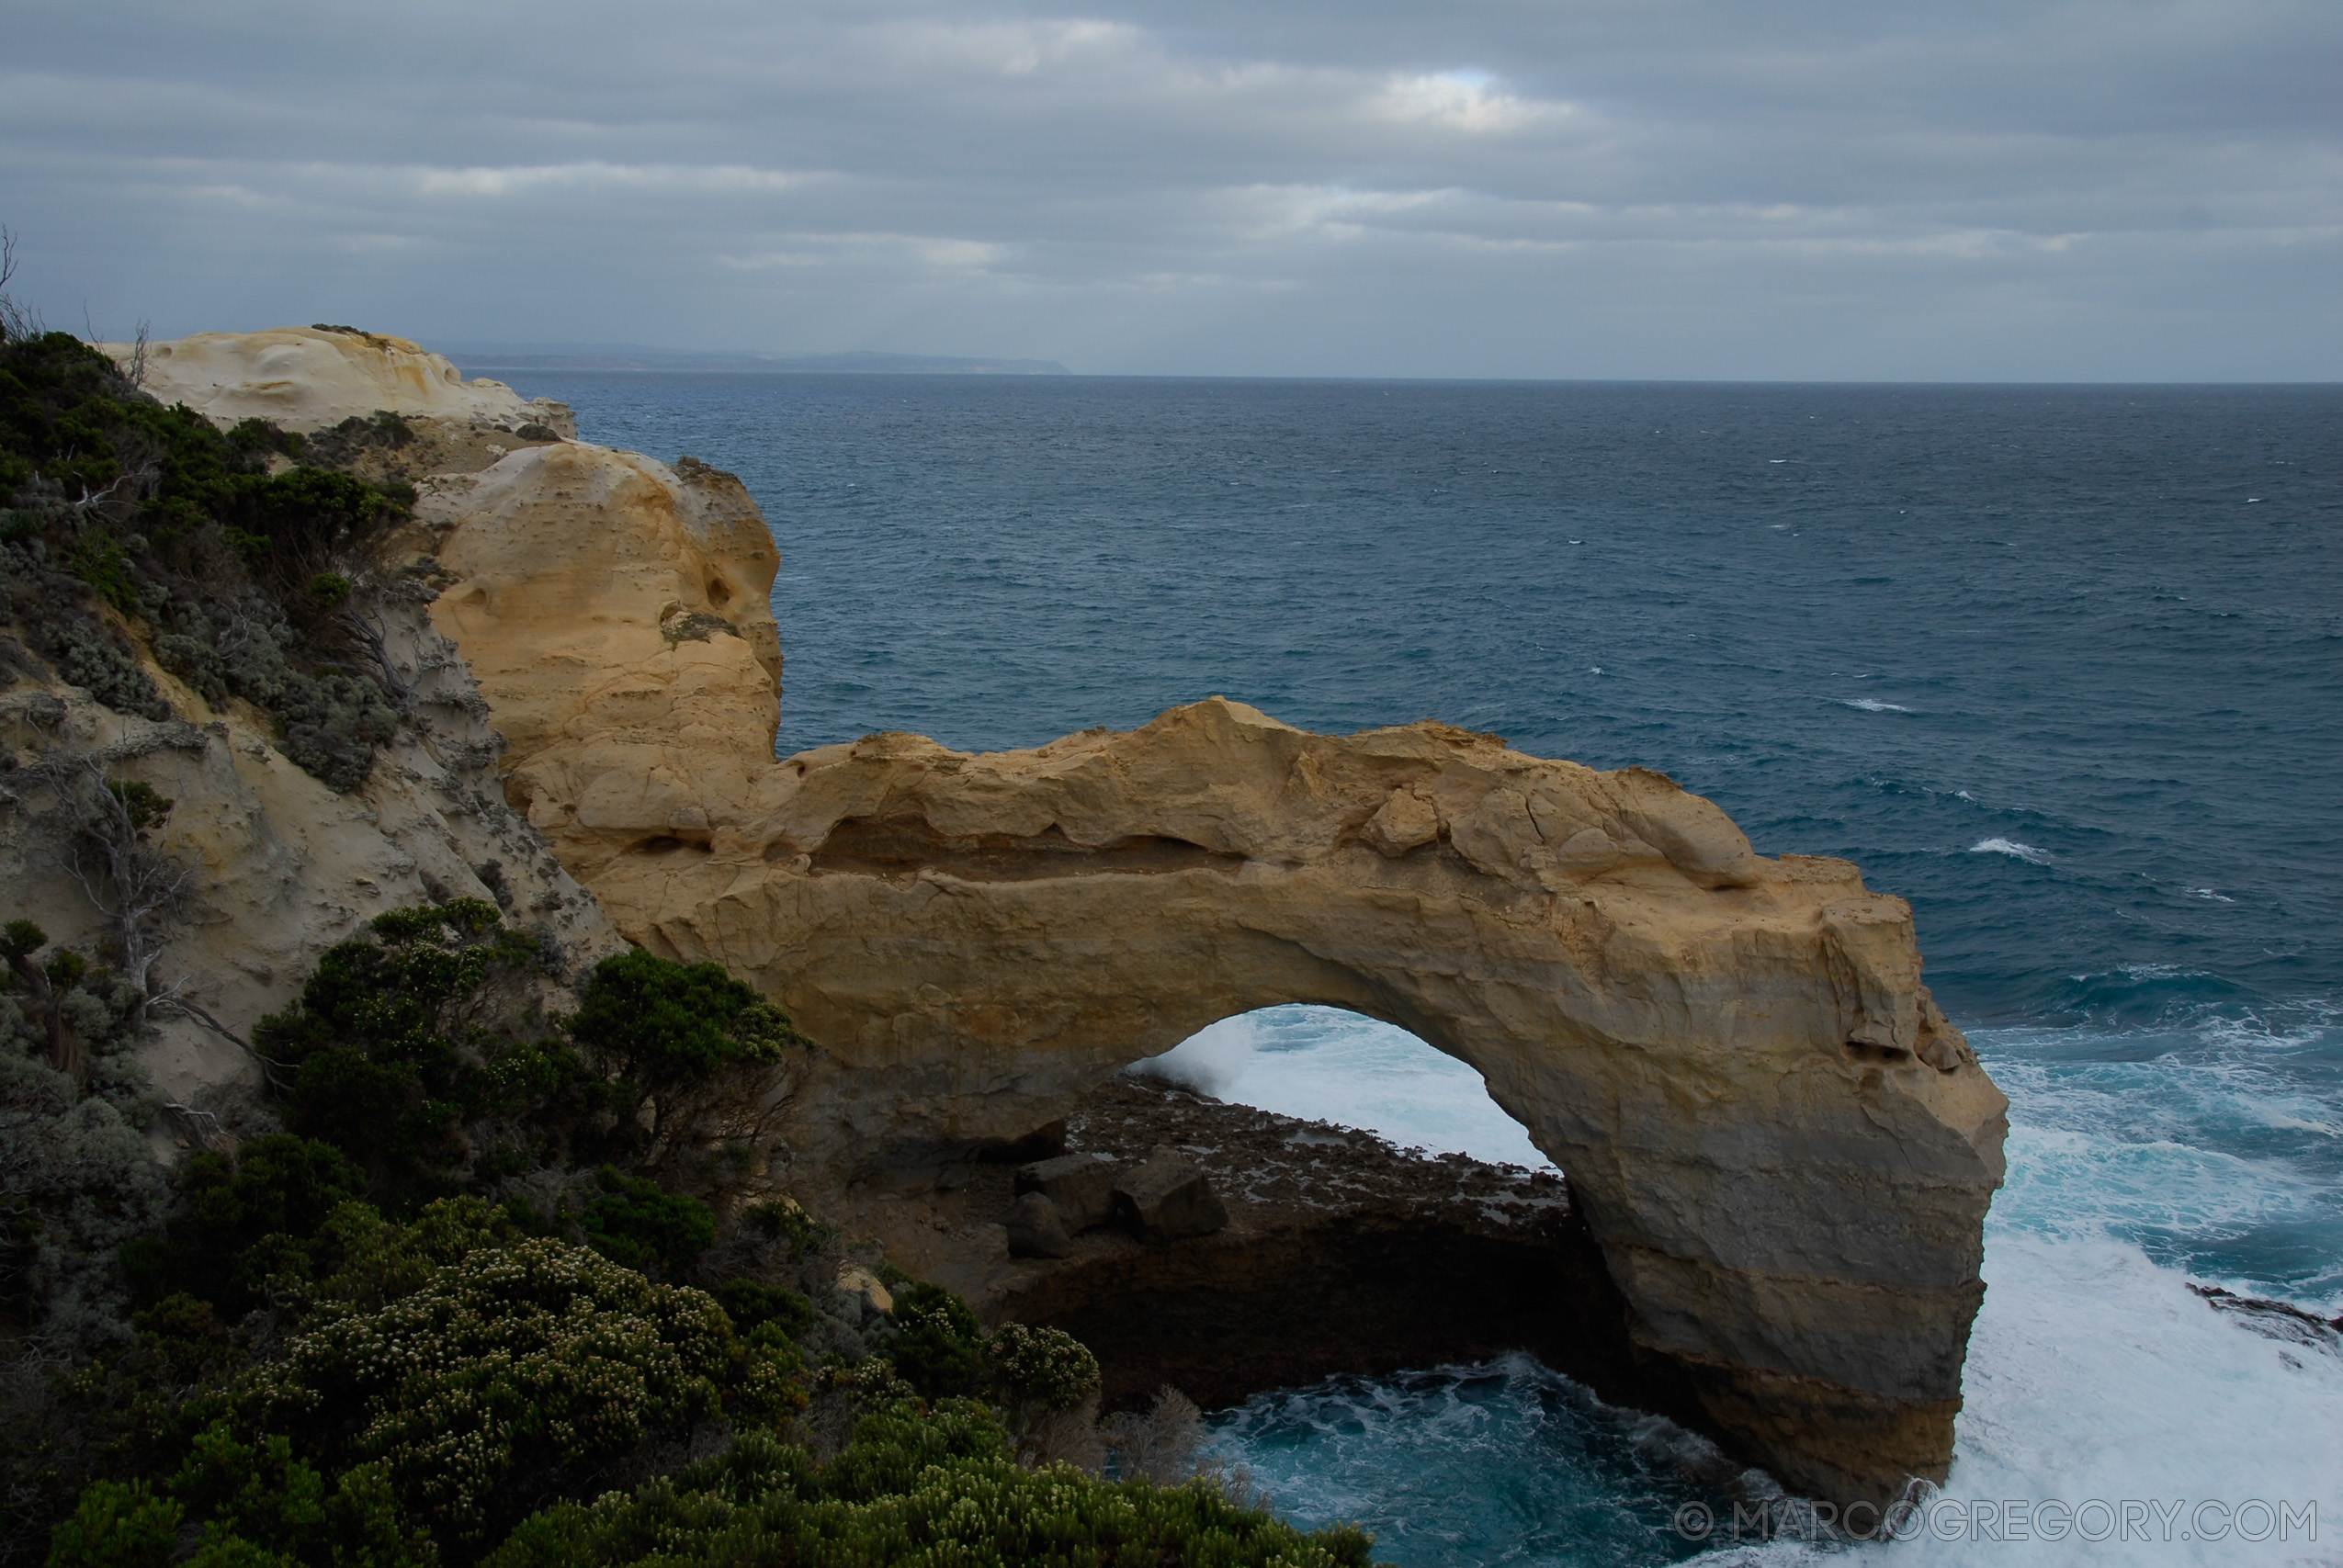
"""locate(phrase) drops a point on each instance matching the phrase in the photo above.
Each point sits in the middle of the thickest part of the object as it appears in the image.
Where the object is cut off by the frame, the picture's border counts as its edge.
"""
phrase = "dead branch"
(365, 627)
(135, 887)
(170, 999)
(134, 372)
(201, 1126)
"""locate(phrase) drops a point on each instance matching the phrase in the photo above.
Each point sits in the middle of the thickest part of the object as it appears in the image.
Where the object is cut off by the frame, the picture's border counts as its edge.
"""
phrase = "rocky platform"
(1340, 1254)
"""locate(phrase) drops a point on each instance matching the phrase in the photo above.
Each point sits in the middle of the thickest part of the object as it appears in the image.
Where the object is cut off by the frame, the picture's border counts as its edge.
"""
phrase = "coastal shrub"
(437, 1382)
(939, 1346)
(1042, 1368)
(77, 1181)
(418, 1050)
(913, 1487)
(117, 512)
(401, 1034)
(641, 1225)
(752, 1306)
(650, 1025)
(117, 1526)
(244, 1219)
(785, 1221)
(514, 1363)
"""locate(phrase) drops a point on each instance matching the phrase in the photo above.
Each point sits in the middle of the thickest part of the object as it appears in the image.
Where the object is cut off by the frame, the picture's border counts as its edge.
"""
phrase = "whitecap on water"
(1872, 705)
(2010, 847)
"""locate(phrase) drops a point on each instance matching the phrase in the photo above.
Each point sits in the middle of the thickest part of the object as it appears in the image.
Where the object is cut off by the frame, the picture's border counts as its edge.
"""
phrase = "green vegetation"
(916, 1486)
(459, 1310)
(121, 518)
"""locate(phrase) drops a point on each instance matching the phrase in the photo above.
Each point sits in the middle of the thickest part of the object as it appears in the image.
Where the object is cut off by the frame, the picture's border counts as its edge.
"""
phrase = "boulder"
(1035, 1230)
(1168, 1199)
(1081, 1186)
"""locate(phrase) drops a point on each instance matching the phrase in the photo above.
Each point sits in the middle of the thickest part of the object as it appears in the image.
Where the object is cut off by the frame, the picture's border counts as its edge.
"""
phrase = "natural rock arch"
(1782, 1150)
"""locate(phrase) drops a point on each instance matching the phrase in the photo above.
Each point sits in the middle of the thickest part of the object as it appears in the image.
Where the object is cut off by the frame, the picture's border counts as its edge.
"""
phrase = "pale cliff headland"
(1778, 1152)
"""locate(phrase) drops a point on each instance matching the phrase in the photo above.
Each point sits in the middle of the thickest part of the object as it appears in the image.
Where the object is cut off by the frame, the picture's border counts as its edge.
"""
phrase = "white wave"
(2095, 1374)
(1329, 1065)
(2209, 892)
(1872, 705)
(2010, 847)
(1210, 1060)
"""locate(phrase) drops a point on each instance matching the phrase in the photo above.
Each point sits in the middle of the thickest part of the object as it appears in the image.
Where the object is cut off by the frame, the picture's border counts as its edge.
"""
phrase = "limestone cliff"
(1781, 1147)
(309, 377)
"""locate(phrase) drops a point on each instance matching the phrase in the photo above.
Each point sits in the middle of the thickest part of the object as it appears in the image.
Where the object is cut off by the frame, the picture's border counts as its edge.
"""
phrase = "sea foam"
(2026, 852)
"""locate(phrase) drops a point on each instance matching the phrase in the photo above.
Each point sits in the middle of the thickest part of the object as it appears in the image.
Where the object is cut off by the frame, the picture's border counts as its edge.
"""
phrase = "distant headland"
(482, 357)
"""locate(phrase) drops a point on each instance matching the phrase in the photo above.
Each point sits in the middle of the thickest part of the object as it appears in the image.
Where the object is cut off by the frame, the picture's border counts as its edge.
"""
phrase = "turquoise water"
(2062, 666)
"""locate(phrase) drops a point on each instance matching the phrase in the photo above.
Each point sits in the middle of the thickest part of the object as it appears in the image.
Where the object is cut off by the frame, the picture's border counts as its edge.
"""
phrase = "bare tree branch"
(134, 372)
(16, 324)
(171, 1000)
(135, 887)
(201, 1126)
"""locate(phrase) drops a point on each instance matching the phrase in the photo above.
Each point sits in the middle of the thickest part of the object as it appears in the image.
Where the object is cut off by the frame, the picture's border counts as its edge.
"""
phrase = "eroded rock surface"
(1781, 1147)
(307, 379)
(280, 867)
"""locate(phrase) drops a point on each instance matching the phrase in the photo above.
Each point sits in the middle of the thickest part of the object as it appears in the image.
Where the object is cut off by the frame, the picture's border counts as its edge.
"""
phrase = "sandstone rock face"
(1782, 1148)
(305, 378)
(620, 610)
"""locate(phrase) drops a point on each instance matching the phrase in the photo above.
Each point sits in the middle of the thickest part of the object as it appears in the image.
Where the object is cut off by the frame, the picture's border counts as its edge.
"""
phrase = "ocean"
(2062, 666)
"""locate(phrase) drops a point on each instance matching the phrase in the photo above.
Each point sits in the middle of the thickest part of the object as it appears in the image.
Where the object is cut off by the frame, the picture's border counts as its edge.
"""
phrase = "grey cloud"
(1687, 188)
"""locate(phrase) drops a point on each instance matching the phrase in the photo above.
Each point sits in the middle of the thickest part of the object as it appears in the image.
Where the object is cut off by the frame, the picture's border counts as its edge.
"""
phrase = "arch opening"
(1327, 1064)
(1378, 1211)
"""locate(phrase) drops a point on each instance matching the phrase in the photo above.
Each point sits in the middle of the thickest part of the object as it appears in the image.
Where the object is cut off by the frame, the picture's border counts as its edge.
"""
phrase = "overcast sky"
(1995, 189)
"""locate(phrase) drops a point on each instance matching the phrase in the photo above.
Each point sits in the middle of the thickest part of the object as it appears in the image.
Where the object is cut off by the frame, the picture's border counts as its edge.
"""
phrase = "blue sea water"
(2062, 666)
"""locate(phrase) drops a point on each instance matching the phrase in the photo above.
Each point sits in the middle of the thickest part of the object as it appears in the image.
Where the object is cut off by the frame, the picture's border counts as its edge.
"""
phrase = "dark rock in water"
(2276, 1320)
(1081, 1186)
(1035, 1230)
(1168, 1199)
